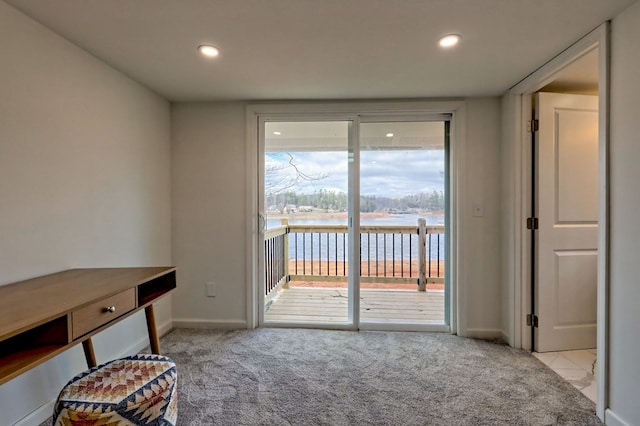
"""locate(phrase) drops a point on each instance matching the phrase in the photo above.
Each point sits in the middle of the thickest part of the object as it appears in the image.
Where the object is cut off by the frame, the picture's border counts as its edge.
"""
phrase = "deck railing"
(388, 254)
(276, 258)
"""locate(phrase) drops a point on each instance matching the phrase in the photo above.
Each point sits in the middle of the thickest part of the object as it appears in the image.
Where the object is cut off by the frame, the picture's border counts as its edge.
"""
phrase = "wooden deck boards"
(329, 305)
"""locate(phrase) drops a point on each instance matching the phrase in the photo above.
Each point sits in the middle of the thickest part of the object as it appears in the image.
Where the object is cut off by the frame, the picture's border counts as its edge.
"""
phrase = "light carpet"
(325, 377)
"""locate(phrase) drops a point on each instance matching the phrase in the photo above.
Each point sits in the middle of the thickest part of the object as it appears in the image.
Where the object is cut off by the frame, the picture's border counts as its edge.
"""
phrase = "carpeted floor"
(322, 377)
(318, 377)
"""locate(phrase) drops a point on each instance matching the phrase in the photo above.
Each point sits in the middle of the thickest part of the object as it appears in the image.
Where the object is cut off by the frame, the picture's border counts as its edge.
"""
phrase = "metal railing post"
(422, 254)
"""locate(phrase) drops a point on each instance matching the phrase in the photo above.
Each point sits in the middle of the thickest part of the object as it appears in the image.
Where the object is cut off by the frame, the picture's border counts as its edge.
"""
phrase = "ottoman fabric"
(136, 390)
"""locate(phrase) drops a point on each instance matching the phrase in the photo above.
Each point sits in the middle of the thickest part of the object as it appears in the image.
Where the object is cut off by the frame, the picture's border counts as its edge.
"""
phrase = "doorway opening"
(550, 273)
(355, 222)
(565, 261)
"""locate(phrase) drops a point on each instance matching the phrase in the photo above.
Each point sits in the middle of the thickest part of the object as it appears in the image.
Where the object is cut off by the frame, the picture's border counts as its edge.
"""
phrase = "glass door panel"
(402, 222)
(306, 199)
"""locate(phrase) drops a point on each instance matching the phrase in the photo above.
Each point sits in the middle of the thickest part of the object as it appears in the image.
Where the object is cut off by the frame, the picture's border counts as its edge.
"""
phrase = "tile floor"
(576, 367)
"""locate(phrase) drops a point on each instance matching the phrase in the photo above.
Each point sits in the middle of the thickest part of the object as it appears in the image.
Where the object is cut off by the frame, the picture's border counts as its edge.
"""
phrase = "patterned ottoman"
(136, 390)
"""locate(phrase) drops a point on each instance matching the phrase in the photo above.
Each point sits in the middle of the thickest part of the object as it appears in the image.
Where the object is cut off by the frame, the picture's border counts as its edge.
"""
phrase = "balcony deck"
(329, 305)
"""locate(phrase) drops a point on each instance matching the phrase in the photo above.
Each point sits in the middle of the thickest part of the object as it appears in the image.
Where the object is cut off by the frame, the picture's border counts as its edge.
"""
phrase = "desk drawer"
(99, 313)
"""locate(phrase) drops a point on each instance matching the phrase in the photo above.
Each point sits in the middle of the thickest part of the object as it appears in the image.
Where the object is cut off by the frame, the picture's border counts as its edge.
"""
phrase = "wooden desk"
(44, 316)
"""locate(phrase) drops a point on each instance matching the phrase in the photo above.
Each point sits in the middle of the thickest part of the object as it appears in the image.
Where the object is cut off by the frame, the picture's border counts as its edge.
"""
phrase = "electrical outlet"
(211, 289)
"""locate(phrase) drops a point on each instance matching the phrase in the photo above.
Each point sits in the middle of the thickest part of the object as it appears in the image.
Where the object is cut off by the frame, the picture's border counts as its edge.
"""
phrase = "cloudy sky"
(383, 172)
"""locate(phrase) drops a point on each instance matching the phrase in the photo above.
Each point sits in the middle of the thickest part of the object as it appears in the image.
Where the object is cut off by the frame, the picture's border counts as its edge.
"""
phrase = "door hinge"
(532, 320)
(533, 126)
(532, 223)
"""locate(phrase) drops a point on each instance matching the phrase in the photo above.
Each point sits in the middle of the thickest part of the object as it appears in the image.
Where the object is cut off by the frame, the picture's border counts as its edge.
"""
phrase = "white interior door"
(567, 201)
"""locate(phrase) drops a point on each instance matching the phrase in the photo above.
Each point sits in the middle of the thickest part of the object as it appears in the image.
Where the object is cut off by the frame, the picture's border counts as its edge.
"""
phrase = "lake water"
(375, 246)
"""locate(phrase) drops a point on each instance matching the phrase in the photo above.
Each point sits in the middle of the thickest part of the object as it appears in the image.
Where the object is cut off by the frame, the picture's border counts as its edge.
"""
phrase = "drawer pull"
(94, 316)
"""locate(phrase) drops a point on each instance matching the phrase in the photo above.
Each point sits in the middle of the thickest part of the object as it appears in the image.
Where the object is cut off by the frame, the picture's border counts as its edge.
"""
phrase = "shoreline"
(343, 215)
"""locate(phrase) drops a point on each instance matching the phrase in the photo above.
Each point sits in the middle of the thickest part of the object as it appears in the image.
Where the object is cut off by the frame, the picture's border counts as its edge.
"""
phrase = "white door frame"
(456, 108)
(520, 114)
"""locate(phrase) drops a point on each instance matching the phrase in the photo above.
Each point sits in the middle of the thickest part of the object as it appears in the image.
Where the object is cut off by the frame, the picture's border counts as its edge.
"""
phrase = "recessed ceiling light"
(389, 135)
(208, 50)
(449, 40)
(277, 133)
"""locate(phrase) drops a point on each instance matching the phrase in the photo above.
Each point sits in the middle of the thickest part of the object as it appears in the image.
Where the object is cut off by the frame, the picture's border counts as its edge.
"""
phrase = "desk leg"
(89, 354)
(154, 342)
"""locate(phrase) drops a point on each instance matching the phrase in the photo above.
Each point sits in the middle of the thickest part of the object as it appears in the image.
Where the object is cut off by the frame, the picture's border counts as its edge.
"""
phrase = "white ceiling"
(322, 49)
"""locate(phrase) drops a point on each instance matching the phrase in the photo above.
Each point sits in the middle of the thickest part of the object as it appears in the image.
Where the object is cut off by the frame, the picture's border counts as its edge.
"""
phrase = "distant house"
(290, 208)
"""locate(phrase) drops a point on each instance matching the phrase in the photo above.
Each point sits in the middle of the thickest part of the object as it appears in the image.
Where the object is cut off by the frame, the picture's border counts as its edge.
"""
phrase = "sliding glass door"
(402, 222)
(354, 217)
(306, 204)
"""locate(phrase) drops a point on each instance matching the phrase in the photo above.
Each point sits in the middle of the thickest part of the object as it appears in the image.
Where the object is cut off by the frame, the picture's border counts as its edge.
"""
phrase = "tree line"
(337, 201)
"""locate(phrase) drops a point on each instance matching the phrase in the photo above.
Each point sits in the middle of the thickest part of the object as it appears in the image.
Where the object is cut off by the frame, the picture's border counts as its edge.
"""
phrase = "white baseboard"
(485, 333)
(505, 337)
(38, 416)
(210, 324)
(164, 328)
(612, 419)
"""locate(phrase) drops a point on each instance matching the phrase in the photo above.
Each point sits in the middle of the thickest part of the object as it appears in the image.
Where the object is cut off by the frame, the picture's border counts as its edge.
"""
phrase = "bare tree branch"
(279, 177)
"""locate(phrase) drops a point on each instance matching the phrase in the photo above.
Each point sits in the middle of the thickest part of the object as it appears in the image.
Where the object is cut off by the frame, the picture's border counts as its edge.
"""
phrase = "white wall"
(209, 215)
(480, 242)
(84, 182)
(510, 211)
(624, 284)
